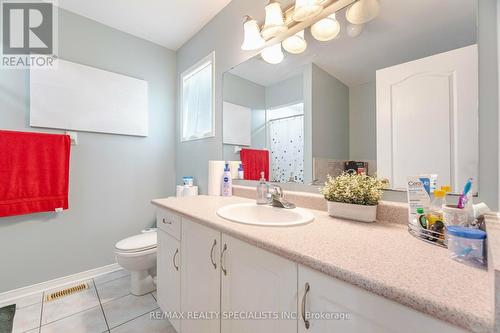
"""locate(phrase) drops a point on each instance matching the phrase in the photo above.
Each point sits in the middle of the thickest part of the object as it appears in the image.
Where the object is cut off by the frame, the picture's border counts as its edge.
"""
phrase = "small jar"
(188, 181)
(466, 245)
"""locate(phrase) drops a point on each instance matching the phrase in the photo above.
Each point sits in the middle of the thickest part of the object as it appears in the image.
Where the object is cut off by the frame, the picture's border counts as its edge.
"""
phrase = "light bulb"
(252, 40)
(274, 23)
(354, 30)
(326, 29)
(362, 11)
(273, 54)
(296, 43)
(305, 9)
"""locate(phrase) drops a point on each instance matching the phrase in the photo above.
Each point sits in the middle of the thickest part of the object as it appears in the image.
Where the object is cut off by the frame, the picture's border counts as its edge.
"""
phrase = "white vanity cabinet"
(256, 281)
(168, 275)
(321, 295)
(200, 277)
(249, 290)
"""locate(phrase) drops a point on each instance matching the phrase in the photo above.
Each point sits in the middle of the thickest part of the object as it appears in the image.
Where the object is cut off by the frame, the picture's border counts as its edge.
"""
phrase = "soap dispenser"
(262, 191)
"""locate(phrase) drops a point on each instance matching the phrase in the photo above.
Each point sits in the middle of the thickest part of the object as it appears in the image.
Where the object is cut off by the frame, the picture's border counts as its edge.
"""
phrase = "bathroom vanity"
(222, 276)
(398, 100)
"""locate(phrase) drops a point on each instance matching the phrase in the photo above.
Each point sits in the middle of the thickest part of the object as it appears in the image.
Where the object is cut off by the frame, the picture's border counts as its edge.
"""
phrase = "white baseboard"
(10, 295)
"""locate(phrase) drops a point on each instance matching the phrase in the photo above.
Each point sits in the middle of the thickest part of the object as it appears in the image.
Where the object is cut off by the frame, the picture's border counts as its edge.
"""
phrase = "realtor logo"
(28, 33)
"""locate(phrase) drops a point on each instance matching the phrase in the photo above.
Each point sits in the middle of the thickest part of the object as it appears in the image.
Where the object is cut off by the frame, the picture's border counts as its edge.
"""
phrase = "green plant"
(359, 189)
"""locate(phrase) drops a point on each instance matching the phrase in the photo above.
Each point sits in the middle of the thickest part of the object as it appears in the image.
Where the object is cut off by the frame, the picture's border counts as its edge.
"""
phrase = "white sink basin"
(264, 215)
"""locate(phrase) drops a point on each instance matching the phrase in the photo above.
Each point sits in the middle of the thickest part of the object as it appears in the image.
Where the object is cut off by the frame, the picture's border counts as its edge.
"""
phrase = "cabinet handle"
(173, 259)
(222, 260)
(165, 221)
(306, 322)
(212, 254)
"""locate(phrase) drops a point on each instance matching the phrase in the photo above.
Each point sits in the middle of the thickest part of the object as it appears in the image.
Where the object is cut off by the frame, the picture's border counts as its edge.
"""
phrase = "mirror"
(398, 99)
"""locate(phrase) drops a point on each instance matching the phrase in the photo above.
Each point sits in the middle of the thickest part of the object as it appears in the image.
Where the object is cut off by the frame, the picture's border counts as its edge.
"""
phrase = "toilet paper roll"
(186, 191)
(215, 173)
(233, 166)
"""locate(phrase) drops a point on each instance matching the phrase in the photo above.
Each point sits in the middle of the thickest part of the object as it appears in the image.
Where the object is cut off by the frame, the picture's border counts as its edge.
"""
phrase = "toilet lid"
(139, 242)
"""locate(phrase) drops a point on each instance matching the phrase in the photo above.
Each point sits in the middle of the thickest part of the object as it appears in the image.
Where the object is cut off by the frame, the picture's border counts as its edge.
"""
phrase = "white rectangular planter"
(352, 212)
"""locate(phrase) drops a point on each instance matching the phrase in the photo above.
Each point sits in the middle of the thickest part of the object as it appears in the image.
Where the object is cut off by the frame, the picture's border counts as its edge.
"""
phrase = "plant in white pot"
(353, 196)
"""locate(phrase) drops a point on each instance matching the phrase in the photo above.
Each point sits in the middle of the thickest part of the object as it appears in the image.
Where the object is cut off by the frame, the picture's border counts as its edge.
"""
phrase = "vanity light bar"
(288, 13)
(329, 7)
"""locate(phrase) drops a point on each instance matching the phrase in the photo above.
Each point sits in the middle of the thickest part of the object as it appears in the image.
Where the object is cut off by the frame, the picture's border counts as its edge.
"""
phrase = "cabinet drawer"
(169, 222)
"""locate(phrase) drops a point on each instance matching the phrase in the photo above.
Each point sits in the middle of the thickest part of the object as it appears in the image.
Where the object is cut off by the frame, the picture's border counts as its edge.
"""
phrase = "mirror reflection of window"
(286, 143)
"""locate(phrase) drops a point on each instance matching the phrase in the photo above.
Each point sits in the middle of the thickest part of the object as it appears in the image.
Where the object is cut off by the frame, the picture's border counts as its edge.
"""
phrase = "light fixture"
(274, 23)
(253, 40)
(273, 54)
(295, 44)
(354, 30)
(305, 9)
(323, 28)
(326, 29)
(362, 11)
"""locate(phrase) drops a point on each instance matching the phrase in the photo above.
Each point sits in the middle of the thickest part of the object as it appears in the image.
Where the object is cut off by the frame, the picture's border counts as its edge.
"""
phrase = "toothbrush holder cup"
(455, 216)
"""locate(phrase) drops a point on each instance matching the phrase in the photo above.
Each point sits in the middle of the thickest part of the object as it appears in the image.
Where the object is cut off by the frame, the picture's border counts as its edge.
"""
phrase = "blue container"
(466, 244)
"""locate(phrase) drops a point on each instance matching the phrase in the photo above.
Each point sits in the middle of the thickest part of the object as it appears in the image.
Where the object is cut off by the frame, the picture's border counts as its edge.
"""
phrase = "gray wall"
(362, 122)
(240, 91)
(224, 35)
(488, 103)
(286, 92)
(112, 177)
(330, 116)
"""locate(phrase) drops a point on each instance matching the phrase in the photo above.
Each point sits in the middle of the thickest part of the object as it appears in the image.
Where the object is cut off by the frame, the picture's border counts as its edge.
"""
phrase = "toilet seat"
(134, 254)
(138, 243)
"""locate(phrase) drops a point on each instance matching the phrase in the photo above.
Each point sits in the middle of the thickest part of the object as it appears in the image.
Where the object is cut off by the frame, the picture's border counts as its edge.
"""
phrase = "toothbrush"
(462, 200)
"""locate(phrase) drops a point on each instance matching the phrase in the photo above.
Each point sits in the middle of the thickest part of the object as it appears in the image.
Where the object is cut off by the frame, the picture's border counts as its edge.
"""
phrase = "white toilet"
(137, 254)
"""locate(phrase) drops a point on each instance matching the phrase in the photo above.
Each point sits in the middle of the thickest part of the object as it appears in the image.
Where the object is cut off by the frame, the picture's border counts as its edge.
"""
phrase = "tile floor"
(107, 306)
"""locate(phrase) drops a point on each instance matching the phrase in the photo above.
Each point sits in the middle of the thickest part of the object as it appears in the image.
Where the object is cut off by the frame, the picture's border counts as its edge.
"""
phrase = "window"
(197, 89)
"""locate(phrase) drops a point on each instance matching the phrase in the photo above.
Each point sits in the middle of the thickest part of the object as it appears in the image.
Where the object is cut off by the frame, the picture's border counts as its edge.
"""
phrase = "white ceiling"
(170, 23)
(405, 30)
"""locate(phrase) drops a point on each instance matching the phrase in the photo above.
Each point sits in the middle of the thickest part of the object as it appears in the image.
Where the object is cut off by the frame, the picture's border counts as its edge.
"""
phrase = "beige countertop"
(380, 257)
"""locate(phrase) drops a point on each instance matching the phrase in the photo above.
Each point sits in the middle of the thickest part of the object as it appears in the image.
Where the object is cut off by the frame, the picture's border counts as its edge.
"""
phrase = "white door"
(258, 287)
(427, 119)
(200, 278)
(330, 305)
(169, 277)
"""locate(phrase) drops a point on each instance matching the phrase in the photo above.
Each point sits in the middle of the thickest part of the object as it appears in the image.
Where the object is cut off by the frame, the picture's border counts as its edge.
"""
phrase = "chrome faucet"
(278, 198)
(315, 182)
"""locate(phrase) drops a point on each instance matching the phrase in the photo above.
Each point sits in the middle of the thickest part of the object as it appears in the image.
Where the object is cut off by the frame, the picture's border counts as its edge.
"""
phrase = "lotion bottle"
(241, 174)
(226, 184)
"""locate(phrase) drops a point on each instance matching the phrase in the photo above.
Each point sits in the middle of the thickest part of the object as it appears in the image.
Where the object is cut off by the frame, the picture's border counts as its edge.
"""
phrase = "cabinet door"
(200, 278)
(331, 305)
(431, 105)
(256, 283)
(169, 277)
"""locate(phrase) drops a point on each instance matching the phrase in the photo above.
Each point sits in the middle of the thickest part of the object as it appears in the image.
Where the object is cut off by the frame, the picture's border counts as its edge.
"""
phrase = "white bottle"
(241, 174)
(226, 184)
(262, 191)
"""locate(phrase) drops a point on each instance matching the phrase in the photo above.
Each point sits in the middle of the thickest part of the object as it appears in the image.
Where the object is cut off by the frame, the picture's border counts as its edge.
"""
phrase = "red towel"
(34, 172)
(254, 162)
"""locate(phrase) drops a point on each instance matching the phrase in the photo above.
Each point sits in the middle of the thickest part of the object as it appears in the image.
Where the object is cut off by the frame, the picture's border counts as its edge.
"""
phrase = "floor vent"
(67, 292)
